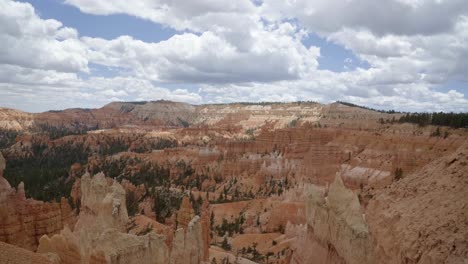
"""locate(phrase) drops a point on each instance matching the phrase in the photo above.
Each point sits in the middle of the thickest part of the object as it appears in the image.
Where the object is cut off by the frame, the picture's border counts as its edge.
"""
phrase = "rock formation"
(102, 205)
(336, 227)
(418, 219)
(99, 235)
(23, 221)
(10, 254)
(185, 213)
(193, 230)
(11, 119)
(205, 224)
(268, 170)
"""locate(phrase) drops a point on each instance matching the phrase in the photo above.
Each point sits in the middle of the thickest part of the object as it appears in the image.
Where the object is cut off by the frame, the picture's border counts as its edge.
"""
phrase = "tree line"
(455, 120)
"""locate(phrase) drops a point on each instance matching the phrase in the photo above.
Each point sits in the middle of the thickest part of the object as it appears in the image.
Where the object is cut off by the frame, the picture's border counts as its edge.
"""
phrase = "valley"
(167, 182)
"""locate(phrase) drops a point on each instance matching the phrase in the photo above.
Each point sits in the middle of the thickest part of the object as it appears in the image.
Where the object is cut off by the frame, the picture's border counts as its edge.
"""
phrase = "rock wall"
(100, 233)
(24, 221)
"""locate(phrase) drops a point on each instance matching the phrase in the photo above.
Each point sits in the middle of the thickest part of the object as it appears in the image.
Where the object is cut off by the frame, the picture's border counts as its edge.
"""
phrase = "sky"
(407, 55)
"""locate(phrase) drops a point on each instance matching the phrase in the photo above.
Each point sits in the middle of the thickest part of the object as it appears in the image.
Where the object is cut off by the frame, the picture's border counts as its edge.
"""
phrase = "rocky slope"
(11, 119)
(423, 217)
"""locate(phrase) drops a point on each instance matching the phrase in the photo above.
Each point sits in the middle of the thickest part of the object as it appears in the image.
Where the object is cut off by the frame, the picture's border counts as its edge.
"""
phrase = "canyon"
(167, 182)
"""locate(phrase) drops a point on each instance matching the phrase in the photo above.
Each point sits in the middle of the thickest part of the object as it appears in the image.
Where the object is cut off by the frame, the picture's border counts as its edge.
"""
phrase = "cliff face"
(23, 221)
(99, 235)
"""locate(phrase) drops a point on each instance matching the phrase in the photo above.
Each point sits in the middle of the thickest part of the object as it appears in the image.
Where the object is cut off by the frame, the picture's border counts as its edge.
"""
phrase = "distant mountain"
(169, 114)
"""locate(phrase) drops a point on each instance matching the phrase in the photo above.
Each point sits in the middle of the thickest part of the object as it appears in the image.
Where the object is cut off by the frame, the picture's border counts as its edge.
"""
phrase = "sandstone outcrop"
(193, 234)
(185, 213)
(23, 221)
(100, 233)
(102, 205)
(205, 224)
(336, 231)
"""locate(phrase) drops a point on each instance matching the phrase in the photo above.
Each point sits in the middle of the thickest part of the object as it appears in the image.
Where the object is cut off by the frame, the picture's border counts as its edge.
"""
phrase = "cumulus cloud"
(437, 56)
(240, 51)
(31, 42)
(41, 63)
(90, 93)
(348, 86)
(178, 14)
(411, 46)
(400, 17)
(226, 42)
(207, 58)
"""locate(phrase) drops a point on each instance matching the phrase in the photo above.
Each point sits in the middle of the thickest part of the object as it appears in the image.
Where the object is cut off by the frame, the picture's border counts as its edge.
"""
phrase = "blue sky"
(108, 27)
(204, 51)
(334, 57)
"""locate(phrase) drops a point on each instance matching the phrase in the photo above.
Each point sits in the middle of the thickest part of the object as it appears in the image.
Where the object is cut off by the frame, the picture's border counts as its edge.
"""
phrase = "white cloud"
(31, 42)
(178, 14)
(130, 88)
(355, 87)
(400, 17)
(238, 51)
(433, 58)
(208, 58)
